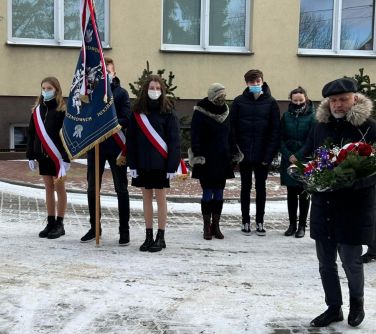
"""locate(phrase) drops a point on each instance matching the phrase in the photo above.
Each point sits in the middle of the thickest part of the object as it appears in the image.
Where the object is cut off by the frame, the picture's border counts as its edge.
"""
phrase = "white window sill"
(341, 53)
(53, 44)
(213, 50)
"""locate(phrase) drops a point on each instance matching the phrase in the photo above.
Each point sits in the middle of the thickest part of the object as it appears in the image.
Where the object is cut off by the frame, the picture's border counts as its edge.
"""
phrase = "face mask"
(154, 94)
(298, 108)
(220, 101)
(255, 89)
(48, 95)
(110, 78)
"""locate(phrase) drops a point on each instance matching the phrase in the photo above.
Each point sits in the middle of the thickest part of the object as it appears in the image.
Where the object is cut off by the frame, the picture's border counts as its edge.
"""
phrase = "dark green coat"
(295, 128)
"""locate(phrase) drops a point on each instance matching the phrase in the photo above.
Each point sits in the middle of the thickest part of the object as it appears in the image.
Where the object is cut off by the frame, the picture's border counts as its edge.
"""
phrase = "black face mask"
(298, 108)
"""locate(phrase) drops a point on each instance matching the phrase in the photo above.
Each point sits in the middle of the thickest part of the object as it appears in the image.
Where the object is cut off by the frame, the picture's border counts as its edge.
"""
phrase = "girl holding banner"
(153, 144)
(45, 146)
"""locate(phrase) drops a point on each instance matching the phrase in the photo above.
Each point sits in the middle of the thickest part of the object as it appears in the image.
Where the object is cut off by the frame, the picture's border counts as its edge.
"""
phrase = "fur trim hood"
(357, 115)
(220, 118)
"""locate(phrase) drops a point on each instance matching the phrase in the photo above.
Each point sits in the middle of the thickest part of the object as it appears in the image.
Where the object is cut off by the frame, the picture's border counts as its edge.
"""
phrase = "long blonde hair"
(61, 106)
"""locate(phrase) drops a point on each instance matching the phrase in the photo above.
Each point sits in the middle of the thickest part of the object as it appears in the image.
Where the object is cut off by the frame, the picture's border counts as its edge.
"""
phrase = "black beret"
(339, 86)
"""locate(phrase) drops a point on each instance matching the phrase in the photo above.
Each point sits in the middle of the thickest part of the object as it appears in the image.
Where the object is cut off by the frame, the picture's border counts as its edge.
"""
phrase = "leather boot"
(216, 216)
(58, 229)
(206, 208)
(159, 242)
(356, 314)
(50, 224)
(291, 230)
(148, 240)
(301, 231)
(332, 314)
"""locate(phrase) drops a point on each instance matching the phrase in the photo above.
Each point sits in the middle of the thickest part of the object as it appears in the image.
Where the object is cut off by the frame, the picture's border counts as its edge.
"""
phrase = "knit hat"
(339, 86)
(216, 89)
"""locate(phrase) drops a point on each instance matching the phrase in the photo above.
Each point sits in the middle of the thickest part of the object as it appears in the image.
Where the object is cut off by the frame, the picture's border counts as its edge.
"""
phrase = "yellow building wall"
(135, 36)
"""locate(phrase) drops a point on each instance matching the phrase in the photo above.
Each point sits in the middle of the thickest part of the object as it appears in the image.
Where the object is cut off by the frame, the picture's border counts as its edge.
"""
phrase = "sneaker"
(89, 236)
(246, 228)
(260, 229)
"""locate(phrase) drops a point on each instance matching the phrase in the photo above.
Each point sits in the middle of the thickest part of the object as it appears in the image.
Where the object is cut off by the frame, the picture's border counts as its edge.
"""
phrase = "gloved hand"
(170, 176)
(133, 173)
(66, 166)
(33, 165)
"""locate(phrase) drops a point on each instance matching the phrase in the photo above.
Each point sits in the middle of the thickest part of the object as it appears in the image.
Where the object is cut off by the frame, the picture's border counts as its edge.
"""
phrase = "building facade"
(294, 43)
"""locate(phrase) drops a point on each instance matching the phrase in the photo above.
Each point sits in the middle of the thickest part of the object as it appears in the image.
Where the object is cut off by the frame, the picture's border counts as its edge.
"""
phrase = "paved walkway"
(18, 172)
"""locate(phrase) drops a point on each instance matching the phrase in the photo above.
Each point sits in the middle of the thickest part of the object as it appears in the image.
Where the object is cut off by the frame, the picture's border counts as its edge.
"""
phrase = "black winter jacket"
(348, 215)
(142, 154)
(53, 122)
(123, 113)
(256, 125)
(211, 139)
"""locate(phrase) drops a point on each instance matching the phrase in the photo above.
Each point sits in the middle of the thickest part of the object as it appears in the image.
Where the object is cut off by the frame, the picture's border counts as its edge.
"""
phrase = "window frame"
(336, 39)
(204, 34)
(59, 40)
(12, 126)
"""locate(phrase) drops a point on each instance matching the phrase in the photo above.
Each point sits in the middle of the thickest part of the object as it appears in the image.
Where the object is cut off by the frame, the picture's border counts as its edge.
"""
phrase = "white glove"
(66, 166)
(33, 165)
(170, 176)
(133, 173)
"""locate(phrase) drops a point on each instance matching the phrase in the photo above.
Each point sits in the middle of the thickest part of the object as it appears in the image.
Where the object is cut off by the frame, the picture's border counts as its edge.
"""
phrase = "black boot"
(58, 229)
(291, 230)
(301, 231)
(124, 237)
(216, 216)
(356, 314)
(332, 314)
(48, 228)
(148, 241)
(159, 242)
(206, 208)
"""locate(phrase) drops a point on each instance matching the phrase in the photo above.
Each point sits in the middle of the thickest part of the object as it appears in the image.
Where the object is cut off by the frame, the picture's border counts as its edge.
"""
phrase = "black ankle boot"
(291, 230)
(332, 314)
(159, 242)
(58, 230)
(301, 231)
(356, 314)
(148, 241)
(50, 225)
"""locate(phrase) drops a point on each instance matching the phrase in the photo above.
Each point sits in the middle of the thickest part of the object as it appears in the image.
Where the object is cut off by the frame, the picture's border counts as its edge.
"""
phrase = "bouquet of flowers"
(333, 168)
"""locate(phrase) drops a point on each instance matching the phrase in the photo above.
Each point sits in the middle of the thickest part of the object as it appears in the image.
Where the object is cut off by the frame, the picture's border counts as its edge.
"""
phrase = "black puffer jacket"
(210, 139)
(123, 113)
(142, 154)
(53, 122)
(348, 215)
(256, 125)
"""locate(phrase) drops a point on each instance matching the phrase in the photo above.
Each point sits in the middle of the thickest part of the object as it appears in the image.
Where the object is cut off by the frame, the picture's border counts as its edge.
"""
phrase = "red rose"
(364, 149)
(341, 156)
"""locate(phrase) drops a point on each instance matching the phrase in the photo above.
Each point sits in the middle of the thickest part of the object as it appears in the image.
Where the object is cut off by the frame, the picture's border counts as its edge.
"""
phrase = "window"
(52, 22)
(343, 27)
(18, 136)
(206, 25)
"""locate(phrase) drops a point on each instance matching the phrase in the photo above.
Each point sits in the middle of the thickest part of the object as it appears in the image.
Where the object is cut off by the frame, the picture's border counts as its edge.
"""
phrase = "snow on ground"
(237, 285)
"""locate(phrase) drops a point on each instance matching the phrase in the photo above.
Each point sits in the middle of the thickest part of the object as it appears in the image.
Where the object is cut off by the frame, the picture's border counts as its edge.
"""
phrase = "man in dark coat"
(255, 124)
(343, 220)
(109, 151)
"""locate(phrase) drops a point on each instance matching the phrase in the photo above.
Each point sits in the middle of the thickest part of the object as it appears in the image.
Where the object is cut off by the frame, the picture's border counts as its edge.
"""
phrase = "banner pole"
(97, 196)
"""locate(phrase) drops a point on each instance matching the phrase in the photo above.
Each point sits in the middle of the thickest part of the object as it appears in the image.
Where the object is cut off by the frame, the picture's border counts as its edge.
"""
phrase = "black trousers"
(261, 173)
(352, 264)
(372, 248)
(119, 175)
(295, 196)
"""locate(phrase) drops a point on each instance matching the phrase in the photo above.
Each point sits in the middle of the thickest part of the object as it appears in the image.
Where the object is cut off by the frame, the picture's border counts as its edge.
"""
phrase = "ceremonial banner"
(91, 115)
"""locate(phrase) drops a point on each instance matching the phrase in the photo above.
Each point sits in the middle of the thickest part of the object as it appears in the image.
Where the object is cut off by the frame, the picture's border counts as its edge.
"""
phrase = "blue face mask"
(48, 95)
(255, 89)
(110, 78)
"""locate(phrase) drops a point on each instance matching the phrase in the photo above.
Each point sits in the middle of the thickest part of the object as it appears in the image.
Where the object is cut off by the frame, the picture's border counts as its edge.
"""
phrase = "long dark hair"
(141, 103)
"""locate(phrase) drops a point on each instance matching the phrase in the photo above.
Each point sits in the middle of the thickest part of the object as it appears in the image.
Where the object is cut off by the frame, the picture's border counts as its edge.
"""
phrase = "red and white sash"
(120, 141)
(48, 144)
(157, 141)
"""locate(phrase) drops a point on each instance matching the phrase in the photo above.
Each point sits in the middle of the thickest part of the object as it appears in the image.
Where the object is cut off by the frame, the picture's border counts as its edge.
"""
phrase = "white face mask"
(154, 94)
